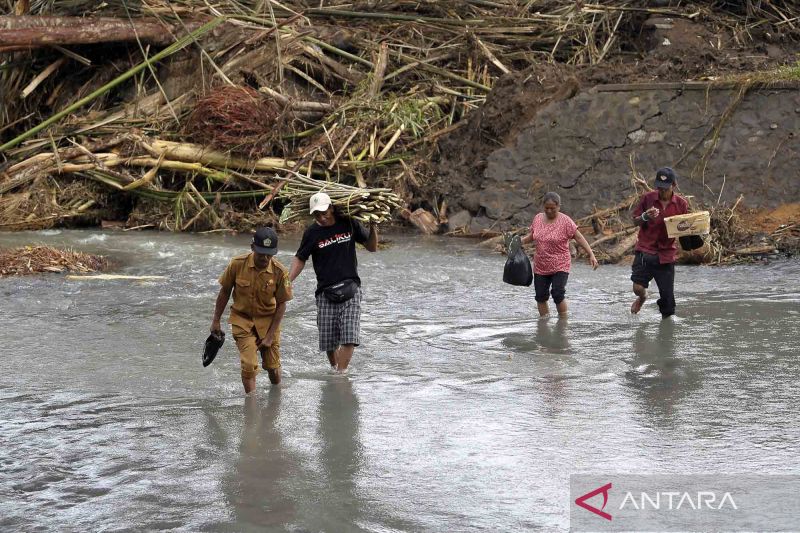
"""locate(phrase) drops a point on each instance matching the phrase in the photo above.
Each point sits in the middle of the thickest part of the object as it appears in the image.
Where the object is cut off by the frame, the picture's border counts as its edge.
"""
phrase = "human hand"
(593, 262)
(215, 327)
(267, 341)
(652, 212)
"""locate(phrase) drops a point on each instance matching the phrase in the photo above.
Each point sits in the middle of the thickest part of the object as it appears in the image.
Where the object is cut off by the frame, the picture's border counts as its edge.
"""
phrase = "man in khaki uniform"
(261, 288)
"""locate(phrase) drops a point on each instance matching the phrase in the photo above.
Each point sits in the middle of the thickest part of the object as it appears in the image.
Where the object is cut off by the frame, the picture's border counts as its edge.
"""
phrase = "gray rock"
(481, 223)
(459, 220)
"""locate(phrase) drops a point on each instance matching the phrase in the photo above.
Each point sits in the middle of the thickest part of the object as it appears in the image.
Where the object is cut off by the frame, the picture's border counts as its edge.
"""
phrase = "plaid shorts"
(338, 323)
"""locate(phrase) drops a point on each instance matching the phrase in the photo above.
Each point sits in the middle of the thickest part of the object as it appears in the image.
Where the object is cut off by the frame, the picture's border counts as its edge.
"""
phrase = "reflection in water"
(552, 339)
(257, 488)
(659, 373)
(341, 454)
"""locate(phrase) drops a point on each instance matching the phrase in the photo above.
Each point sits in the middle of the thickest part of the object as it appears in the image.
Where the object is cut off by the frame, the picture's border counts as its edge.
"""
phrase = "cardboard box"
(698, 223)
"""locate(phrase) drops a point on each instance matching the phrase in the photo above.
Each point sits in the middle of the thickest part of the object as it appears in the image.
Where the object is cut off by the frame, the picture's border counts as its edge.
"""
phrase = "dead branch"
(35, 31)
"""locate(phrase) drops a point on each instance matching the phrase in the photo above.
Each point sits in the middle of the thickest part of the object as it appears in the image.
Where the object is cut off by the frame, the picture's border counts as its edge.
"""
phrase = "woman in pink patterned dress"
(552, 231)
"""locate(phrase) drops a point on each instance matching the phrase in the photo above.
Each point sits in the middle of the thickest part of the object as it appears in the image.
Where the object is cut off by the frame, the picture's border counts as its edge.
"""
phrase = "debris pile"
(196, 116)
(38, 259)
(236, 119)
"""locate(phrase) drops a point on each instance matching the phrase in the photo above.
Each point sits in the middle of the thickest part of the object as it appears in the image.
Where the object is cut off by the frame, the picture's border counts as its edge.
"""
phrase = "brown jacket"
(256, 293)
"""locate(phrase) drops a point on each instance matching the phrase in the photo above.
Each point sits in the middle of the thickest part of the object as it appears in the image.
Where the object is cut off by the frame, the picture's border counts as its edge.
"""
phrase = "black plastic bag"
(691, 242)
(518, 269)
(213, 344)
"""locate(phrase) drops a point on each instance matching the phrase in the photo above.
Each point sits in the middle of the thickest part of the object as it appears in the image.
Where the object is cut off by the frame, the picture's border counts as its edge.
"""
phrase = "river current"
(461, 411)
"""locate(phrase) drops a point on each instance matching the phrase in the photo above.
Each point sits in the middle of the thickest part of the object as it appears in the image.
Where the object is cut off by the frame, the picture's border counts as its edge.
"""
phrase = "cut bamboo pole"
(195, 153)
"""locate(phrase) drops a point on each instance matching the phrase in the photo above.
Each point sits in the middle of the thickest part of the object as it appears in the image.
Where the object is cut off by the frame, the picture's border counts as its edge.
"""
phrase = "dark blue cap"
(265, 241)
(665, 177)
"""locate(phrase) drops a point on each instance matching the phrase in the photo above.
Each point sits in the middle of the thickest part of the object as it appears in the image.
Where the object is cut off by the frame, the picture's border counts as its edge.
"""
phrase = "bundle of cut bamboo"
(364, 205)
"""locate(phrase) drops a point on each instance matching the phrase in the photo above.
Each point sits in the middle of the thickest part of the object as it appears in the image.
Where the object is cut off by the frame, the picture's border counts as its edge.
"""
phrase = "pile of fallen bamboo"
(38, 259)
(117, 99)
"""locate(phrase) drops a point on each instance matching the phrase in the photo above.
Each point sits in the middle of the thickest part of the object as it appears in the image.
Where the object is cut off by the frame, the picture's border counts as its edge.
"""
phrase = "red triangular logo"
(581, 502)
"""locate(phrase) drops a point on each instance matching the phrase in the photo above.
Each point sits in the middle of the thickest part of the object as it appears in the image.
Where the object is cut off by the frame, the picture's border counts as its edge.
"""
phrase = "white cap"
(319, 202)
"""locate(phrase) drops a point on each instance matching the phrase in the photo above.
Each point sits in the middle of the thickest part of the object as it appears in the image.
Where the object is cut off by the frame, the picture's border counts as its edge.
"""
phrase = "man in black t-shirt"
(331, 242)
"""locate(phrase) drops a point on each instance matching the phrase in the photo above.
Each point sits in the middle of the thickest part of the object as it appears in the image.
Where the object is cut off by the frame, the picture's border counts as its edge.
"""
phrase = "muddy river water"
(461, 411)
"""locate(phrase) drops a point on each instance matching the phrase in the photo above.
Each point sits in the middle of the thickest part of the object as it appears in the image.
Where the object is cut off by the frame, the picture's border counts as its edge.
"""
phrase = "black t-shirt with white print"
(333, 250)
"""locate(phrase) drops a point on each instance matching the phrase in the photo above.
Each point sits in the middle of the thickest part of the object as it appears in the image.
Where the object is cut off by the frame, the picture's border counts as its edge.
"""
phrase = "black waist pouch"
(341, 292)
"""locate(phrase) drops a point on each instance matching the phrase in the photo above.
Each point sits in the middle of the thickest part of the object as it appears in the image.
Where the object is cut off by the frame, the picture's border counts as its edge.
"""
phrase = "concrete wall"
(581, 148)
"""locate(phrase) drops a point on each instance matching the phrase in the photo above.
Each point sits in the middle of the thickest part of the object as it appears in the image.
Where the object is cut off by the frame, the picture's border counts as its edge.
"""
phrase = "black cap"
(265, 241)
(665, 177)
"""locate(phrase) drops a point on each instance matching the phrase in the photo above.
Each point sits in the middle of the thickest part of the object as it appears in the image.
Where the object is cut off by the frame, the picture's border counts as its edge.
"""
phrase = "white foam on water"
(95, 237)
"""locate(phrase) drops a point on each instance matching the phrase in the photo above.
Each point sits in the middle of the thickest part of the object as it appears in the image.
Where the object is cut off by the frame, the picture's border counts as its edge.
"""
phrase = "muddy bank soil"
(582, 131)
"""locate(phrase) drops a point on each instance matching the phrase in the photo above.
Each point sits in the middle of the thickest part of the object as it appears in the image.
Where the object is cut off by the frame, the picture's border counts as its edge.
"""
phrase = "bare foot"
(636, 306)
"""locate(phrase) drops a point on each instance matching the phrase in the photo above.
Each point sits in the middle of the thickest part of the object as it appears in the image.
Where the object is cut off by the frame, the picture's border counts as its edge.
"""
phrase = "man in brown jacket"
(261, 288)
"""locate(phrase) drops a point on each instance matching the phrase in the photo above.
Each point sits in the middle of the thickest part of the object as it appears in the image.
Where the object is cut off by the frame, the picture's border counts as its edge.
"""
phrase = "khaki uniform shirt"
(256, 293)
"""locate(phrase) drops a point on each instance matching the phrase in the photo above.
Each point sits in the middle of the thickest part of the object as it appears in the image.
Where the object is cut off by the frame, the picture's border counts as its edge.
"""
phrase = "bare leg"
(274, 373)
(543, 309)
(249, 384)
(641, 292)
(561, 307)
(332, 358)
(343, 356)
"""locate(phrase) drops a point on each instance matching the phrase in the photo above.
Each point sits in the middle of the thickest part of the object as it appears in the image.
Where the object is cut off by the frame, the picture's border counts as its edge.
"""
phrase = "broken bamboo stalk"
(380, 70)
(217, 219)
(391, 142)
(343, 148)
(148, 176)
(195, 153)
(491, 57)
(43, 75)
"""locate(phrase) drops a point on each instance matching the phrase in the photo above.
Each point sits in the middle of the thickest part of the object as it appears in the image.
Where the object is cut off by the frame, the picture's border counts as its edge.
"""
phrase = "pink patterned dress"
(552, 243)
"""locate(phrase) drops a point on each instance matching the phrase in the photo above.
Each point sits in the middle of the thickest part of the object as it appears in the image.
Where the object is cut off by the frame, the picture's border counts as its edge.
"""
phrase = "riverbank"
(469, 118)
